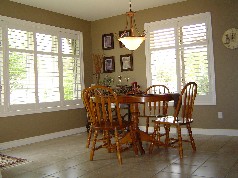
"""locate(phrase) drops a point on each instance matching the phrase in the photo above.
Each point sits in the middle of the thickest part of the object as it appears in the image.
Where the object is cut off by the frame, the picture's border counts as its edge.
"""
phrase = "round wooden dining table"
(133, 101)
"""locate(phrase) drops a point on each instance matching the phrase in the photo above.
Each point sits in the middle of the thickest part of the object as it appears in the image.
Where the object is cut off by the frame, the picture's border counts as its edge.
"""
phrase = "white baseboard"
(226, 132)
(26, 141)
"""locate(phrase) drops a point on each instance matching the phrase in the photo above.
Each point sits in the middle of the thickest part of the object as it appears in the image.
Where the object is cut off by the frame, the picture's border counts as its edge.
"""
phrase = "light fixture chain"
(130, 5)
(123, 34)
(138, 32)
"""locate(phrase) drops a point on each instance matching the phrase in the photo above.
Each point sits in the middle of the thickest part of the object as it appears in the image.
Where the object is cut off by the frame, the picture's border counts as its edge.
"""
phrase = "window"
(180, 50)
(41, 68)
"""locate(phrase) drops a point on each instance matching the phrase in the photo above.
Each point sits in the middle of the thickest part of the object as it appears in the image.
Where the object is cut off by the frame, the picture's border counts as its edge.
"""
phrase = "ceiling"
(92, 10)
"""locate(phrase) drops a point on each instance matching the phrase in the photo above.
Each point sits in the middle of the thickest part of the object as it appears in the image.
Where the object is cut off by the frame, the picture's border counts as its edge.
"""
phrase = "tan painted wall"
(19, 127)
(224, 15)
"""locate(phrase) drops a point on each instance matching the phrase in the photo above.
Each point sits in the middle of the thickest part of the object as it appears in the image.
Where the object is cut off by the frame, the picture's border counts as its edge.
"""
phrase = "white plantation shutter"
(163, 57)
(179, 51)
(71, 69)
(47, 68)
(48, 78)
(21, 69)
(192, 50)
(163, 67)
(21, 78)
(41, 68)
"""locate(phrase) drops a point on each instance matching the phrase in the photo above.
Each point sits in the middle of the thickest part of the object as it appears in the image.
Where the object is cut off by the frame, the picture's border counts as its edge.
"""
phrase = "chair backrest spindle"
(157, 108)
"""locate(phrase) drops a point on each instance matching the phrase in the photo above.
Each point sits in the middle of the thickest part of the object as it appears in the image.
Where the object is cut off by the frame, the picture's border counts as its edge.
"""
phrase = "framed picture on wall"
(127, 33)
(108, 41)
(108, 64)
(126, 62)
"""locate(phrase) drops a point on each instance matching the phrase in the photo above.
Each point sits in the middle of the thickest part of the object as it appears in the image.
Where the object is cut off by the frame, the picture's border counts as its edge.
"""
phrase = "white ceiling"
(92, 10)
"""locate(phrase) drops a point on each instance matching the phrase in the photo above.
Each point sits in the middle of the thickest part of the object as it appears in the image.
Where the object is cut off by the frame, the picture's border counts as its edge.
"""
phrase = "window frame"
(22, 109)
(209, 99)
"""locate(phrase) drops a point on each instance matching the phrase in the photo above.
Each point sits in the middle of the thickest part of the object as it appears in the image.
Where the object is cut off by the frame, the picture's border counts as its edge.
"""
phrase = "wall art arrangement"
(109, 64)
(126, 60)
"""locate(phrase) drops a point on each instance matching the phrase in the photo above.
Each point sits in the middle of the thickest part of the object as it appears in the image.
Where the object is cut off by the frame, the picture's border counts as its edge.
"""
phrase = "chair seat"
(151, 115)
(171, 120)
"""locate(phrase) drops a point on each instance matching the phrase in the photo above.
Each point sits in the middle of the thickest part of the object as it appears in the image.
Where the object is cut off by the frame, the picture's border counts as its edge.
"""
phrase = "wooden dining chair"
(182, 117)
(154, 109)
(89, 121)
(101, 102)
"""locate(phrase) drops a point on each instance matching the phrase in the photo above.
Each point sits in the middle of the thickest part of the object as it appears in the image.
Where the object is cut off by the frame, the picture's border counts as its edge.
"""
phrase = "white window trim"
(6, 109)
(201, 100)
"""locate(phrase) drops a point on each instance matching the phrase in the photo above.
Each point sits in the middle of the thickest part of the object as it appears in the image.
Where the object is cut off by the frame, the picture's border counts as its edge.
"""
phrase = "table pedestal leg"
(134, 114)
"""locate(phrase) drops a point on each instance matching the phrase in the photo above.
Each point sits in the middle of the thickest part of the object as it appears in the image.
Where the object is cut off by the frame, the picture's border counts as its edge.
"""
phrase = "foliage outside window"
(179, 51)
(41, 68)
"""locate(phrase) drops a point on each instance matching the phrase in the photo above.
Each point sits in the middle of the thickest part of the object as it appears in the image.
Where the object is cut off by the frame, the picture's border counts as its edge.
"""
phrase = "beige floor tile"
(135, 173)
(169, 175)
(183, 169)
(70, 173)
(6, 174)
(211, 171)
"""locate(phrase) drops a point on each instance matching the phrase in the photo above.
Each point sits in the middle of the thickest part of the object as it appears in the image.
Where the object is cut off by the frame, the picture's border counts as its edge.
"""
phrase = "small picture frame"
(108, 64)
(127, 33)
(108, 41)
(126, 62)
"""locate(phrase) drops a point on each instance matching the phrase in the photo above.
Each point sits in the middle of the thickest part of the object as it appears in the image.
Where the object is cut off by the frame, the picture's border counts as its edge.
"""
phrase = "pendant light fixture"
(133, 41)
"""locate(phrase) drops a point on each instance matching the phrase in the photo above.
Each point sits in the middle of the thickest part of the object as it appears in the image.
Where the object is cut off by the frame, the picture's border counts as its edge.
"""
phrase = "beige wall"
(19, 127)
(224, 15)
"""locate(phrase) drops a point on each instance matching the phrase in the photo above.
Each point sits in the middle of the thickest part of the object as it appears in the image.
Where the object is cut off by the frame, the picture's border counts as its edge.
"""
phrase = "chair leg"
(191, 137)
(94, 145)
(89, 136)
(180, 141)
(108, 141)
(118, 147)
(147, 124)
(104, 136)
(158, 135)
(158, 132)
(154, 136)
(167, 130)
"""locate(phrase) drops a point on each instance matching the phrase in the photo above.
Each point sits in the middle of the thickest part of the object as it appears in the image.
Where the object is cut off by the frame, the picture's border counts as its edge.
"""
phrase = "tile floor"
(67, 157)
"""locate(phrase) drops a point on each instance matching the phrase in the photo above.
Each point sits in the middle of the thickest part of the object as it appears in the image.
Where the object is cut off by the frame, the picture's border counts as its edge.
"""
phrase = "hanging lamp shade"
(133, 41)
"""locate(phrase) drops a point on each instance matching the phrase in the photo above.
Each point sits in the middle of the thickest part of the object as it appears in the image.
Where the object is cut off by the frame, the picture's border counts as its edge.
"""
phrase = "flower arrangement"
(107, 81)
(98, 62)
